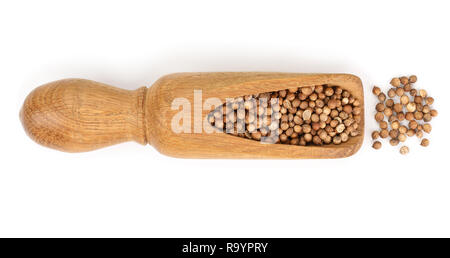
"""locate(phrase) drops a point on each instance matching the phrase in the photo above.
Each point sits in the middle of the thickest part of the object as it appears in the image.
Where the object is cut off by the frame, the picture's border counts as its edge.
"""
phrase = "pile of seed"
(313, 115)
(408, 112)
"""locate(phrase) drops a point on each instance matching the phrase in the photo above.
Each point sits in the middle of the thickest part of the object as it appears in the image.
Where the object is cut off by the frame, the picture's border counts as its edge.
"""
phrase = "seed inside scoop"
(311, 115)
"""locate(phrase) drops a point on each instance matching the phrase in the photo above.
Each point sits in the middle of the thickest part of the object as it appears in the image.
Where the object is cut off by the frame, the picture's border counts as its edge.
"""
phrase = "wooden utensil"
(77, 115)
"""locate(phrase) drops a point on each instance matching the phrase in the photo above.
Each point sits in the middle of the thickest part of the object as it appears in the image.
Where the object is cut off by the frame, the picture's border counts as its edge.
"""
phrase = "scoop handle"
(76, 115)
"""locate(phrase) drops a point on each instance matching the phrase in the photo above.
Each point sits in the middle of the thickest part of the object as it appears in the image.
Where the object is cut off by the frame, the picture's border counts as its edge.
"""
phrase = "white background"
(129, 190)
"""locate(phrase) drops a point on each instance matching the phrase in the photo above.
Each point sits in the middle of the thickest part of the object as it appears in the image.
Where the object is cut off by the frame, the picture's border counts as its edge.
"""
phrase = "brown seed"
(316, 140)
(315, 126)
(333, 103)
(389, 103)
(395, 125)
(404, 150)
(402, 137)
(337, 139)
(410, 132)
(308, 137)
(306, 128)
(340, 128)
(427, 117)
(399, 92)
(419, 134)
(400, 116)
(394, 142)
(423, 93)
(393, 133)
(413, 124)
(407, 87)
(379, 107)
(348, 109)
(382, 97)
(256, 135)
(329, 91)
(315, 118)
(425, 142)
(429, 100)
(392, 118)
(344, 137)
(283, 138)
(418, 99)
(306, 90)
(384, 133)
(404, 80)
(379, 116)
(395, 82)
(433, 113)
(376, 90)
(318, 88)
(411, 107)
(383, 125)
(409, 116)
(413, 92)
(307, 114)
(398, 107)
(427, 128)
(375, 135)
(404, 100)
(391, 93)
(419, 107)
(388, 112)
(402, 129)
(412, 79)
(376, 145)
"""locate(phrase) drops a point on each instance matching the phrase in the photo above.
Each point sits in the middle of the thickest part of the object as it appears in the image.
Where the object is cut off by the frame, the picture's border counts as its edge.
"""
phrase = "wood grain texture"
(80, 115)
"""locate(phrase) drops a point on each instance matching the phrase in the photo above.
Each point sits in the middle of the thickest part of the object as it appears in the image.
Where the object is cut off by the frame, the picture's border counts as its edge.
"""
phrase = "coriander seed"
(393, 133)
(395, 82)
(376, 145)
(404, 150)
(399, 91)
(376, 90)
(388, 112)
(395, 125)
(404, 99)
(394, 142)
(411, 107)
(379, 107)
(398, 107)
(384, 133)
(389, 103)
(404, 80)
(423, 93)
(427, 128)
(379, 116)
(402, 137)
(375, 135)
(433, 113)
(425, 142)
(391, 93)
(419, 134)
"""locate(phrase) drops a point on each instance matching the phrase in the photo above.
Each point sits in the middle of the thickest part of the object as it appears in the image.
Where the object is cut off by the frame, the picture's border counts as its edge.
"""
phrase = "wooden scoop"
(77, 115)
